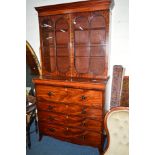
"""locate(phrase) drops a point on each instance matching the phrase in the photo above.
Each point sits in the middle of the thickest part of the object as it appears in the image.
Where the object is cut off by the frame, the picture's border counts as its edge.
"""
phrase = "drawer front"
(73, 135)
(72, 110)
(70, 121)
(70, 95)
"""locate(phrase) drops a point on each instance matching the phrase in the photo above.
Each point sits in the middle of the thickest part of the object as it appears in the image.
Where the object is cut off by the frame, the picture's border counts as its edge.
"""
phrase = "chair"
(116, 124)
(30, 117)
(32, 70)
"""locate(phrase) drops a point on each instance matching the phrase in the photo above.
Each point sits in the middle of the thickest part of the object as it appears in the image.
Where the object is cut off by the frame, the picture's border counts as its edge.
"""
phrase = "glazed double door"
(74, 44)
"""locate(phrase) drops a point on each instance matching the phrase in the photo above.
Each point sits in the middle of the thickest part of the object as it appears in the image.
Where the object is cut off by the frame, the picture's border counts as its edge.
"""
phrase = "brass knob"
(67, 116)
(51, 118)
(52, 129)
(84, 123)
(83, 97)
(50, 93)
(83, 111)
(50, 107)
(67, 129)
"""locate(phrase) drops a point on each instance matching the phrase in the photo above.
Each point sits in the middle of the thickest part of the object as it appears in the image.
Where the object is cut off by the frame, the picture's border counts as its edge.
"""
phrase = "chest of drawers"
(70, 110)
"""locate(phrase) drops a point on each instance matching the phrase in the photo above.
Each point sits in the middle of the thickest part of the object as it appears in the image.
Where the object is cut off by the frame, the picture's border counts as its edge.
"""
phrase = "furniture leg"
(28, 137)
(36, 124)
(40, 136)
(100, 148)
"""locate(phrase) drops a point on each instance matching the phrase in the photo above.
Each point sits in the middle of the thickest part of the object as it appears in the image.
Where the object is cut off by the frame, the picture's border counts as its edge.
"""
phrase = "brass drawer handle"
(52, 129)
(50, 107)
(50, 93)
(66, 131)
(51, 118)
(83, 111)
(83, 123)
(83, 97)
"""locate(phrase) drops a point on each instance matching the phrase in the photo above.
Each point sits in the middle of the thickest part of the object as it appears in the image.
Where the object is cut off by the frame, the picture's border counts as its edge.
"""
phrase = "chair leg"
(36, 124)
(40, 136)
(28, 137)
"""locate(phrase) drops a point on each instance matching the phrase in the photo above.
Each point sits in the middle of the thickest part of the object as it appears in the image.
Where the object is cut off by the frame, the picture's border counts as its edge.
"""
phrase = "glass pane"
(97, 65)
(97, 36)
(52, 64)
(46, 62)
(62, 35)
(46, 24)
(48, 51)
(62, 38)
(82, 51)
(82, 64)
(62, 51)
(62, 41)
(97, 51)
(81, 23)
(48, 38)
(97, 22)
(49, 64)
(63, 64)
(81, 37)
(61, 24)
(81, 26)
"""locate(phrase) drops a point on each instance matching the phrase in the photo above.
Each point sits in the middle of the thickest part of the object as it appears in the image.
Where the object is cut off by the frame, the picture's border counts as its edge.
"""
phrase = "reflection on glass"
(62, 40)
(49, 38)
(62, 30)
(80, 28)
(46, 25)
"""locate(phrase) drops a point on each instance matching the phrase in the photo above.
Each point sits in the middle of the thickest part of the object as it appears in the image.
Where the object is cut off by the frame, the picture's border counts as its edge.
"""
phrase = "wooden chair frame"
(105, 123)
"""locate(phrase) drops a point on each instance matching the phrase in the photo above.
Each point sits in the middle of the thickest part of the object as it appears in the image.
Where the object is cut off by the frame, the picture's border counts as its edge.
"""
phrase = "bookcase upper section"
(74, 39)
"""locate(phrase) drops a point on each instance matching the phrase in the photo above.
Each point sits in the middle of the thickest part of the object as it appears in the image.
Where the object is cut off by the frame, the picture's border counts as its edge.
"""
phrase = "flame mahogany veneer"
(74, 41)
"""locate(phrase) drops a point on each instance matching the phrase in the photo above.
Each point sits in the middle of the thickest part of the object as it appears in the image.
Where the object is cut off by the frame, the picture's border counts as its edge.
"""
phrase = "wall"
(119, 33)
(119, 41)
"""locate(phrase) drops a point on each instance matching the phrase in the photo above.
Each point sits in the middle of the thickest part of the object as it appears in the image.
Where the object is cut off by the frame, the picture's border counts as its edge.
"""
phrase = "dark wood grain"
(80, 121)
(84, 6)
(73, 135)
(72, 110)
(74, 47)
(69, 95)
(67, 82)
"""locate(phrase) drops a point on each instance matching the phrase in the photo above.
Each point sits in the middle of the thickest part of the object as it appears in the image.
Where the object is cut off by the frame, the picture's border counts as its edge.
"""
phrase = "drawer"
(70, 121)
(69, 134)
(72, 110)
(69, 95)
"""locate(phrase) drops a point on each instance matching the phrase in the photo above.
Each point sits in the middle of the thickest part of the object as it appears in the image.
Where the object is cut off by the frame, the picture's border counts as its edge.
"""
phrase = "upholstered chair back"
(117, 128)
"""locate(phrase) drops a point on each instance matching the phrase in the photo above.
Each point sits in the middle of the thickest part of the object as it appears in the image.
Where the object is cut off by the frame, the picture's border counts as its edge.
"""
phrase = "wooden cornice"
(82, 6)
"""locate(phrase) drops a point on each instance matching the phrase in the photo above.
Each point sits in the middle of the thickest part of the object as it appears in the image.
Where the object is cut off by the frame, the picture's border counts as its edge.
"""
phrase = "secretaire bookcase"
(74, 45)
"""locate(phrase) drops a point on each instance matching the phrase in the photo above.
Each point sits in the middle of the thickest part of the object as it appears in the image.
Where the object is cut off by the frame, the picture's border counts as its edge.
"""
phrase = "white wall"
(119, 33)
(119, 41)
